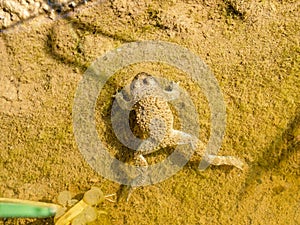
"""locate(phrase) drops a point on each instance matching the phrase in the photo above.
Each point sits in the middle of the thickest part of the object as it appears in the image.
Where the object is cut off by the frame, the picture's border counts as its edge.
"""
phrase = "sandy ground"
(252, 47)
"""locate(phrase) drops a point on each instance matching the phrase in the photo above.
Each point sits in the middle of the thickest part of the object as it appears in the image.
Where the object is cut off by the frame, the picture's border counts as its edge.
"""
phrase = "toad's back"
(154, 119)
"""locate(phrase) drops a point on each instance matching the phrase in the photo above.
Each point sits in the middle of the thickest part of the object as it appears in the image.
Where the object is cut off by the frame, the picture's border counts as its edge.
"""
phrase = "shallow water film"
(251, 49)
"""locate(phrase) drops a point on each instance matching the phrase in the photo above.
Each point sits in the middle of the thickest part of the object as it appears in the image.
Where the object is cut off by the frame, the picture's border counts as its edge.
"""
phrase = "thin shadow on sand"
(284, 150)
(78, 62)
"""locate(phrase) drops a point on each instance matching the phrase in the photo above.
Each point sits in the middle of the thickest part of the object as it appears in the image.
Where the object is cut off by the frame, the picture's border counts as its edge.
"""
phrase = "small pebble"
(79, 220)
(90, 214)
(93, 196)
(72, 4)
(64, 197)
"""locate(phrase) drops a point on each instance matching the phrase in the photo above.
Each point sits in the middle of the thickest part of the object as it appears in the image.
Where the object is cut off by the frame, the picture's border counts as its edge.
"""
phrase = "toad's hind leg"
(182, 138)
(146, 147)
(152, 144)
(198, 146)
(140, 179)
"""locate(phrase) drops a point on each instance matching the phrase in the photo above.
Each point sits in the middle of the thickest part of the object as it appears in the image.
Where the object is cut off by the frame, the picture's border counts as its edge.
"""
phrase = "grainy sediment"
(15, 11)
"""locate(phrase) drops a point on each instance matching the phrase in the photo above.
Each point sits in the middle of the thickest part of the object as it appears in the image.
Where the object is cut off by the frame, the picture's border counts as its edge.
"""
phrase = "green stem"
(15, 210)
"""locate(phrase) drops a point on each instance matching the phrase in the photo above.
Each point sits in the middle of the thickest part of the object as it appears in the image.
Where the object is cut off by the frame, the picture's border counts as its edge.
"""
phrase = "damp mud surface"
(252, 48)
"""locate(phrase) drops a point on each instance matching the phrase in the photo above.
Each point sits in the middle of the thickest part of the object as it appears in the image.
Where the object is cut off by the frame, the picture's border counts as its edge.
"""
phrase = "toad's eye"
(146, 81)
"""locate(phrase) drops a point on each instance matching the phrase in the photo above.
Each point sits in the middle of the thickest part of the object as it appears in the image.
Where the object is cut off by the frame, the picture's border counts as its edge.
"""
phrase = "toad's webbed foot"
(224, 160)
(145, 147)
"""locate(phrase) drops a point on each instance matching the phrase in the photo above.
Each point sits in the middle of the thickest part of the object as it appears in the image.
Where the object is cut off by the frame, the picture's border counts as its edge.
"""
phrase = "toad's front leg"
(122, 102)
